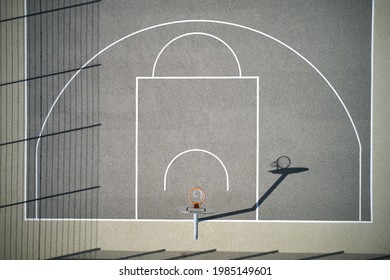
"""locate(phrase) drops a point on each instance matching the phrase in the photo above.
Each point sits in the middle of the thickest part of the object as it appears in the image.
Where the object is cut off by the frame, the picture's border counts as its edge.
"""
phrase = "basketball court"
(251, 123)
(211, 103)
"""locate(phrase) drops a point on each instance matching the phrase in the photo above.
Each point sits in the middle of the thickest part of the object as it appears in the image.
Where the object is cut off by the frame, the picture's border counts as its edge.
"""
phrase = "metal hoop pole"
(196, 226)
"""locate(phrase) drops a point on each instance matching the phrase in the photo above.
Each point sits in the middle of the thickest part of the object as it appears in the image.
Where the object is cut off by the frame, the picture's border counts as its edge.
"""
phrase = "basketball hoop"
(196, 196)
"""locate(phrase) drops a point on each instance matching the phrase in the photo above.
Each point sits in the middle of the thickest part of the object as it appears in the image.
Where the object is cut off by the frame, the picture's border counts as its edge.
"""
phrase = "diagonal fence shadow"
(138, 255)
(283, 172)
(323, 255)
(256, 255)
(184, 256)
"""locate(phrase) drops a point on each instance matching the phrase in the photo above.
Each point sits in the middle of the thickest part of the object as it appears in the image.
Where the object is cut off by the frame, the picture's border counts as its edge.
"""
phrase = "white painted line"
(200, 150)
(257, 145)
(136, 148)
(372, 106)
(208, 221)
(215, 22)
(191, 151)
(192, 34)
(25, 108)
(197, 77)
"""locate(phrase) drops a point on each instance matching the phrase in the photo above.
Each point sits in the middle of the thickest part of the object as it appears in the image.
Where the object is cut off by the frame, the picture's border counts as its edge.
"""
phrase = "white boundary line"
(215, 22)
(257, 145)
(196, 77)
(209, 221)
(136, 149)
(372, 106)
(25, 108)
(197, 33)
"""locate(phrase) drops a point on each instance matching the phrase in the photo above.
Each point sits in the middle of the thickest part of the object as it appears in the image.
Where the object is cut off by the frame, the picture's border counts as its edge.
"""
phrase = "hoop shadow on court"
(284, 172)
